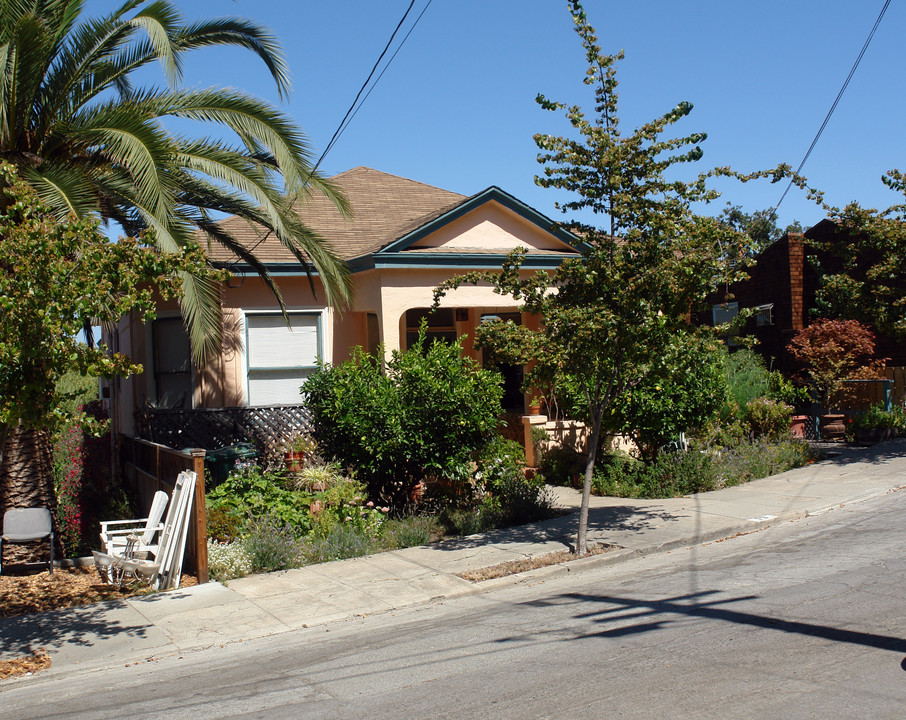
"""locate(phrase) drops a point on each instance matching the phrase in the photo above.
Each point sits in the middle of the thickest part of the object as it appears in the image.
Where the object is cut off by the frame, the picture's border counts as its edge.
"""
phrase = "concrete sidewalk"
(212, 614)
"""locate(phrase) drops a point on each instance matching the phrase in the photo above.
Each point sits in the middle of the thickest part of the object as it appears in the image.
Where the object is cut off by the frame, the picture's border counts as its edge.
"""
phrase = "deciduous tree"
(611, 313)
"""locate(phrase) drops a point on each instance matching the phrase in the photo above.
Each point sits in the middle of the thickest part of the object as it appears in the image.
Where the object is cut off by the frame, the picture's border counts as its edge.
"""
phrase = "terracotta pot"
(534, 410)
(293, 461)
(832, 426)
(797, 425)
(315, 507)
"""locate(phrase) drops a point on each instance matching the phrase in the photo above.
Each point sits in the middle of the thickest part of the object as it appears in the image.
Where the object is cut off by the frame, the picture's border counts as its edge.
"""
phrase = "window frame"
(303, 370)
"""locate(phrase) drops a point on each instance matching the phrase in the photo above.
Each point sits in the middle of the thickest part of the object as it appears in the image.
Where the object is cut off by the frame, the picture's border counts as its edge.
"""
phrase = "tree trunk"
(26, 480)
(582, 534)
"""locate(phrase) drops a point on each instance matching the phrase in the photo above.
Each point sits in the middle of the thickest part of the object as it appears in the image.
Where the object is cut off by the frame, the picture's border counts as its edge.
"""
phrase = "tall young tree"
(91, 143)
(612, 312)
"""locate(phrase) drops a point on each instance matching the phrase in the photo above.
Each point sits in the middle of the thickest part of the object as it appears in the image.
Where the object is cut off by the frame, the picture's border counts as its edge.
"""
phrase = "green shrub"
(223, 526)
(768, 418)
(249, 493)
(343, 505)
(510, 497)
(683, 389)
(563, 466)
(342, 542)
(877, 416)
(271, 545)
(409, 531)
(468, 521)
(423, 418)
(747, 378)
(747, 461)
(670, 474)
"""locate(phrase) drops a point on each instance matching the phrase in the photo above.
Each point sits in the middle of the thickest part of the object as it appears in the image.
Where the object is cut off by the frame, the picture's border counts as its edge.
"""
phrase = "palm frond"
(241, 33)
(62, 188)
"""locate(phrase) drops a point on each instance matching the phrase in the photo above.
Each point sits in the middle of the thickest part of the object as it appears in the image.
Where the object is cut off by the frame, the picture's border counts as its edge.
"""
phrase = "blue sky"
(456, 108)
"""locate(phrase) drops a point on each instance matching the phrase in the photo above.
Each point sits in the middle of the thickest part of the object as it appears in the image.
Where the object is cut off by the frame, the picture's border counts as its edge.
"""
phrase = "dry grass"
(513, 567)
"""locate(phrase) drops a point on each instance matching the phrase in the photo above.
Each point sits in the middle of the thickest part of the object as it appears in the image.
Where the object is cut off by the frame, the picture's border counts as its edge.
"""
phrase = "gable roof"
(384, 207)
(388, 214)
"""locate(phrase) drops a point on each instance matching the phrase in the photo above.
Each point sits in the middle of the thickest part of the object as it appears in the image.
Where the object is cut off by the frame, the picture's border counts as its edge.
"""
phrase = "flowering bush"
(81, 479)
(768, 418)
(228, 560)
(68, 464)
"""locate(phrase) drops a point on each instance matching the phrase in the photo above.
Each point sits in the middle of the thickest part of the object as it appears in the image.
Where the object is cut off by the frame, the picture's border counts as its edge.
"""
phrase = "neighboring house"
(402, 240)
(781, 288)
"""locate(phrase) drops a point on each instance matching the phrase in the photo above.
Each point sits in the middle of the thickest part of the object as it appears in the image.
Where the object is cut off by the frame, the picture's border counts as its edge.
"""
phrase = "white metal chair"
(165, 571)
(114, 533)
(22, 525)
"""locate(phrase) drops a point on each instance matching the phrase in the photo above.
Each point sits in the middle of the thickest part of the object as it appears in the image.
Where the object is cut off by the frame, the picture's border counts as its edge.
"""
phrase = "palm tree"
(90, 142)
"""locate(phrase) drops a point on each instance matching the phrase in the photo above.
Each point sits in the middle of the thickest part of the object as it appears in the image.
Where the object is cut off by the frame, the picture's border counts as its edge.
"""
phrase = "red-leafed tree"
(831, 351)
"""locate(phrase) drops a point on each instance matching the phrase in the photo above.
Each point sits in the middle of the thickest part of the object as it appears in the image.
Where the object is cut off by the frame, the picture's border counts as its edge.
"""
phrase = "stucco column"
(391, 333)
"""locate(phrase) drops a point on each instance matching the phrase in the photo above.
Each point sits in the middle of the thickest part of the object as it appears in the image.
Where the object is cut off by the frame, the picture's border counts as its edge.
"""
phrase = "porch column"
(391, 333)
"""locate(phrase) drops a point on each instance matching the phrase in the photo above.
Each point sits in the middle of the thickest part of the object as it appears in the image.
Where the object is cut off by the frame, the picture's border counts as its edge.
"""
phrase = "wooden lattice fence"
(268, 428)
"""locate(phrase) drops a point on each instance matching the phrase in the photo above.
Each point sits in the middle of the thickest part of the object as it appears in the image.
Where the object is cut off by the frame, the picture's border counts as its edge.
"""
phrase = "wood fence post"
(201, 517)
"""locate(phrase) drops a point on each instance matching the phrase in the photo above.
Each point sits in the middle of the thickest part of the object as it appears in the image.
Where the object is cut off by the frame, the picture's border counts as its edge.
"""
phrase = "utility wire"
(356, 105)
(836, 100)
(352, 108)
(378, 79)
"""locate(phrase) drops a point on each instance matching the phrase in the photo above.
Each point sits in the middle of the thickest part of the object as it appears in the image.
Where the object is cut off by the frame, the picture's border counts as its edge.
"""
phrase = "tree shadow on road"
(613, 611)
(624, 517)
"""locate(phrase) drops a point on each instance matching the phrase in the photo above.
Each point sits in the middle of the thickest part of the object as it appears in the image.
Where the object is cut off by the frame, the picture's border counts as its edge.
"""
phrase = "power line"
(353, 109)
(399, 47)
(836, 100)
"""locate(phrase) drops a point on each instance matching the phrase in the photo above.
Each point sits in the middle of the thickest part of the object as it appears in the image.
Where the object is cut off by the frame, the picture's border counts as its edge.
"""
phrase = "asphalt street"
(803, 619)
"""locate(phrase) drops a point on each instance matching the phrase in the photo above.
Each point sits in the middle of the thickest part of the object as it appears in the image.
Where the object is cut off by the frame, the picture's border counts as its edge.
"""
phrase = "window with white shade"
(280, 355)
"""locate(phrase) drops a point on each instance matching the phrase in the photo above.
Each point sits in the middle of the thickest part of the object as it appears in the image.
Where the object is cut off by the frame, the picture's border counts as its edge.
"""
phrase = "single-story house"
(402, 239)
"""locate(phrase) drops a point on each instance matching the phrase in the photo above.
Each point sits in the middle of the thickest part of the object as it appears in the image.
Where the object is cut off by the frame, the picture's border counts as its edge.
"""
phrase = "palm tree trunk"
(26, 480)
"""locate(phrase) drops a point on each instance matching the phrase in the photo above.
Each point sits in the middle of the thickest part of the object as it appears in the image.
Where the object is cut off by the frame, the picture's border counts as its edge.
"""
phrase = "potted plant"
(300, 447)
(878, 423)
(535, 405)
(831, 350)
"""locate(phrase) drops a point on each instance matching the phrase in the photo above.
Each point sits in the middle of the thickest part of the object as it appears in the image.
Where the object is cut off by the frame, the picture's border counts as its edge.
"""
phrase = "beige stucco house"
(402, 239)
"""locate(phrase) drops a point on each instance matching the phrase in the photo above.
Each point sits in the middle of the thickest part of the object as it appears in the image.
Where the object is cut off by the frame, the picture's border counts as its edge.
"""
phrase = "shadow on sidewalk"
(624, 517)
(871, 454)
(81, 626)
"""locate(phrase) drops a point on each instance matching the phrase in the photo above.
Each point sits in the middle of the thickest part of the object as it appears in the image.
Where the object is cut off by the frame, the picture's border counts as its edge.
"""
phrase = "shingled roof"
(384, 208)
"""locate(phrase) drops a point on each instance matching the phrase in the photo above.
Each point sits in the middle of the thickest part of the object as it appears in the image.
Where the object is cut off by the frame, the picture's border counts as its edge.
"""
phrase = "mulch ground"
(29, 594)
